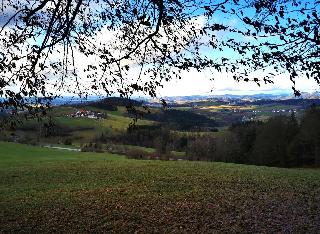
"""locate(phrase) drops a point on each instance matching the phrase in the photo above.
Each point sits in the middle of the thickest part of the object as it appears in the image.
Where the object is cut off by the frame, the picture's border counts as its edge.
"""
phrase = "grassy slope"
(87, 129)
(112, 125)
(44, 190)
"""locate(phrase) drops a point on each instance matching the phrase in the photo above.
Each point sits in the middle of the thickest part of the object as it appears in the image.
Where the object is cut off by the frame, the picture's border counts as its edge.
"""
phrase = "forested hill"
(185, 120)
(111, 103)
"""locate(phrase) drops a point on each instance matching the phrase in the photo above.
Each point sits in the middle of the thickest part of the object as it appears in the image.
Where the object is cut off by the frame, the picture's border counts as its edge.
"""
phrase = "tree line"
(282, 141)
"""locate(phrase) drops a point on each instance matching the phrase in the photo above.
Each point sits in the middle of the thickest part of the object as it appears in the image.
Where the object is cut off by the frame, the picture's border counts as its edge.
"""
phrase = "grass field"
(216, 108)
(46, 190)
(81, 130)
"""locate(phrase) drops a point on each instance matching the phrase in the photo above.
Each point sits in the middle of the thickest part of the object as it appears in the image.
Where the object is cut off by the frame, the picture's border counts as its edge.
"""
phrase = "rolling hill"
(45, 190)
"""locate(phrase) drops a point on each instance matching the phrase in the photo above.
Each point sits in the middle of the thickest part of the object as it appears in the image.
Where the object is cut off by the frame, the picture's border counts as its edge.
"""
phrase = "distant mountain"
(305, 95)
(69, 100)
(233, 97)
(116, 101)
(111, 103)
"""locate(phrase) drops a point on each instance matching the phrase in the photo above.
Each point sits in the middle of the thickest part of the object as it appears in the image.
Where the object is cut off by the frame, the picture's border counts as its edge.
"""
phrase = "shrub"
(137, 154)
(96, 147)
(67, 141)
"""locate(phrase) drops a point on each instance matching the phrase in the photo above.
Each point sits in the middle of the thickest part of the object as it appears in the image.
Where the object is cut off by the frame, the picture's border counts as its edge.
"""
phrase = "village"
(88, 114)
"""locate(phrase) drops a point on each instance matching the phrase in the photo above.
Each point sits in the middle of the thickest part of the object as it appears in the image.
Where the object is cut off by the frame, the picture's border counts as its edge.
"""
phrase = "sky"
(195, 83)
(200, 83)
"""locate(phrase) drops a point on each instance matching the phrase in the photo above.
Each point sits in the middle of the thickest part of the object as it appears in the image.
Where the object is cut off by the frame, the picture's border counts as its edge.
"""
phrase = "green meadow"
(47, 190)
(79, 129)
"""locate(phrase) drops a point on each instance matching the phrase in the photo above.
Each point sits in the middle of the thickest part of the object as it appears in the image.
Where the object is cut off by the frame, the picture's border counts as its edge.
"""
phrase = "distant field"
(184, 108)
(82, 129)
(276, 107)
(45, 190)
(227, 107)
(112, 125)
(221, 132)
(117, 120)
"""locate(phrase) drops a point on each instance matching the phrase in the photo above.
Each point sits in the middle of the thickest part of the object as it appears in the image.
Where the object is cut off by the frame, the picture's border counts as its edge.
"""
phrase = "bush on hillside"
(137, 154)
(92, 147)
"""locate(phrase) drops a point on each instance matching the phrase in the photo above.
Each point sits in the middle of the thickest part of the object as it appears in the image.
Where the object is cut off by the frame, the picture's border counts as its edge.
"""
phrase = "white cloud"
(193, 82)
(199, 83)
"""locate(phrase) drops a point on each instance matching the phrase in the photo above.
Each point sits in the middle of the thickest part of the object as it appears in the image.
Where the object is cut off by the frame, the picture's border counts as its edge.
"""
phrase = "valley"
(105, 166)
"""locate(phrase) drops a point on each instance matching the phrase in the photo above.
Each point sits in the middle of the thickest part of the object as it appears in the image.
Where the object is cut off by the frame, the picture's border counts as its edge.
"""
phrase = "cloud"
(193, 82)
(199, 83)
